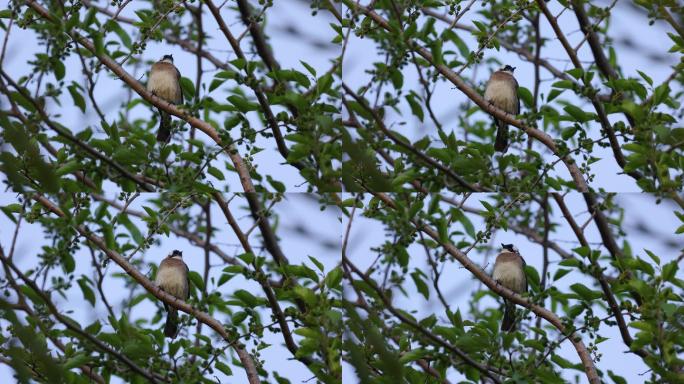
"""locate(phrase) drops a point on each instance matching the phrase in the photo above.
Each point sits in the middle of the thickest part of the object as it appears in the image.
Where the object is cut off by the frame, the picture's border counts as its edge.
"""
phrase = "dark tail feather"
(171, 326)
(501, 143)
(508, 322)
(164, 133)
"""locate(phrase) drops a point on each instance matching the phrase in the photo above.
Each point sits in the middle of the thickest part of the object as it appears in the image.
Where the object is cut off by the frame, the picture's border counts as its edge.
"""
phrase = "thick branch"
(605, 286)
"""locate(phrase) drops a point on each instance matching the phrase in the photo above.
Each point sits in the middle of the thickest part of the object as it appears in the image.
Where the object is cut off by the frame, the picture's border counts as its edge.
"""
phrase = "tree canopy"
(332, 181)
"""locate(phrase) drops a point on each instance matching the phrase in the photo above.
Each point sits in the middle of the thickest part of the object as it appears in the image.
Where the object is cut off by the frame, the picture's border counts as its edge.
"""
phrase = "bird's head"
(167, 58)
(176, 253)
(508, 68)
(510, 248)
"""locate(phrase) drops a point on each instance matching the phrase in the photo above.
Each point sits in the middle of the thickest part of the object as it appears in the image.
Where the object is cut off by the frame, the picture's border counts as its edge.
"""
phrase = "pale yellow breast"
(503, 95)
(165, 85)
(173, 282)
(510, 276)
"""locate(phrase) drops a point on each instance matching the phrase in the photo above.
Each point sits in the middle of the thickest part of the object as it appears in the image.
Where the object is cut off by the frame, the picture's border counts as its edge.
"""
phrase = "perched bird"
(164, 81)
(502, 91)
(172, 277)
(509, 271)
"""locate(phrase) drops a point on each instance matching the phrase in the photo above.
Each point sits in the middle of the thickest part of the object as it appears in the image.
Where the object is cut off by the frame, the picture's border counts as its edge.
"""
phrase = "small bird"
(509, 271)
(172, 277)
(502, 91)
(164, 81)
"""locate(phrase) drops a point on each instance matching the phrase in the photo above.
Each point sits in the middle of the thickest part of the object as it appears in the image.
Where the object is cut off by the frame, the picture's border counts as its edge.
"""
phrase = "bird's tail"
(508, 322)
(501, 142)
(171, 326)
(164, 132)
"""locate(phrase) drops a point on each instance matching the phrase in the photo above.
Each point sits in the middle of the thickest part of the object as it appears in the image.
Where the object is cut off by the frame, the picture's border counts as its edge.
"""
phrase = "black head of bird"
(172, 278)
(510, 247)
(502, 92)
(509, 271)
(164, 82)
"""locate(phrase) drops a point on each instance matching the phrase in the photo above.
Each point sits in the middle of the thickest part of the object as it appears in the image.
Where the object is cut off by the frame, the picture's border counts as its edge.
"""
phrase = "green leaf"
(436, 48)
(88, 293)
(525, 96)
(416, 108)
(277, 185)
(197, 280)
(560, 273)
(396, 77)
(461, 45)
(247, 298)
(569, 132)
(242, 104)
(99, 44)
(238, 317)
(553, 94)
(575, 72)
(577, 113)
(223, 368)
(323, 84)
(309, 68)
(216, 173)
(188, 88)
(317, 263)
(563, 84)
(616, 379)
(669, 270)
(661, 93)
(553, 183)
(653, 256)
(561, 362)
(532, 275)
(77, 360)
(215, 83)
(585, 293)
(333, 278)
(123, 35)
(413, 355)
(420, 284)
(305, 294)
(60, 69)
(645, 77)
(132, 229)
(79, 101)
(583, 251)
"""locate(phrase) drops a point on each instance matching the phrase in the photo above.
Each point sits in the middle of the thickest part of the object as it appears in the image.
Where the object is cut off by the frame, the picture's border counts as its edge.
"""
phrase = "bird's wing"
(524, 264)
(178, 77)
(517, 97)
(187, 281)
